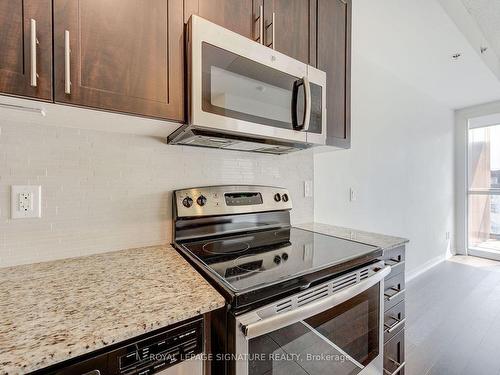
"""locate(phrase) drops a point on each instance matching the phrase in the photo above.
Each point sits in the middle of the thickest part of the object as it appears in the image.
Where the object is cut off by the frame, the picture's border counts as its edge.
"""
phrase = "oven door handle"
(282, 320)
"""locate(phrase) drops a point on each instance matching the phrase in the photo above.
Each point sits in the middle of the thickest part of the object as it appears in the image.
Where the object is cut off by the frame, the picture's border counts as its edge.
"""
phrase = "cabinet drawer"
(394, 355)
(394, 290)
(396, 259)
(394, 320)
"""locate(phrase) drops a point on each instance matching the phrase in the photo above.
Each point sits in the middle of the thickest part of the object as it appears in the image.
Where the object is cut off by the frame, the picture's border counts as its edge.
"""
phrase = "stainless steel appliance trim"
(33, 45)
(319, 78)
(375, 367)
(204, 31)
(217, 205)
(67, 61)
(280, 320)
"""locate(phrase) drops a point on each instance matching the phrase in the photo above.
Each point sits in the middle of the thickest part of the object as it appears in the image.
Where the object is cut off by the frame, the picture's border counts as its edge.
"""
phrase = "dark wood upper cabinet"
(334, 57)
(22, 24)
(235, 15)
(294, 28)
(120, 55)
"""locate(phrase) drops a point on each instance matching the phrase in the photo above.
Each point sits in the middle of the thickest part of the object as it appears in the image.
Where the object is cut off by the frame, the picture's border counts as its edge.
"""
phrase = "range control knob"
(201, 200)
(277, 259)
(284, 256)
(187, 202)
(277, 197)
(284, 197)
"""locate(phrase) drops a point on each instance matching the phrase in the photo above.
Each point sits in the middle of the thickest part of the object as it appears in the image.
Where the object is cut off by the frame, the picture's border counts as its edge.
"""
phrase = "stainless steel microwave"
(243, 95)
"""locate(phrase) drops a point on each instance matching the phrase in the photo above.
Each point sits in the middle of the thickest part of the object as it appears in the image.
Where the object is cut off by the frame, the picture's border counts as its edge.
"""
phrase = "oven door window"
(341, 340)
(236, 87)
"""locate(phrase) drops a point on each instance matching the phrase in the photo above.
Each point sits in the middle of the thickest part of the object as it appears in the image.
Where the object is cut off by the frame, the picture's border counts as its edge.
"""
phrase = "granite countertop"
(375, 239)
(54, 311)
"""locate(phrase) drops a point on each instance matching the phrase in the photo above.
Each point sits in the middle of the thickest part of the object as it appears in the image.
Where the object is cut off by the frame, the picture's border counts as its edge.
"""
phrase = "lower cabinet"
(394, 312)
(394, 355)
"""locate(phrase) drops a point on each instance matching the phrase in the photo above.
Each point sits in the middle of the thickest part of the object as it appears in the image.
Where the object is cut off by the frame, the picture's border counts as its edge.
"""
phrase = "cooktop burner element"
(241, 239)
(229, 246)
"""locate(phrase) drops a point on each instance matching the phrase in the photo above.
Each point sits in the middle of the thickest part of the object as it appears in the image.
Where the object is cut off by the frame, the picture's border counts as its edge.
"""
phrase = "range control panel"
(230, 199)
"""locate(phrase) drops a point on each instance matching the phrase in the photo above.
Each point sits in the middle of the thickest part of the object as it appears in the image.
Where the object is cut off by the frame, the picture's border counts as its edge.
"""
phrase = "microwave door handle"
(285, 319)
(295, 94)
(307, 95)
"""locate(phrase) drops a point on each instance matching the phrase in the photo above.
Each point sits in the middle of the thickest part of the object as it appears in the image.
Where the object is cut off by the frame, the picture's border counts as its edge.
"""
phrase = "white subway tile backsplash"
(106, 191)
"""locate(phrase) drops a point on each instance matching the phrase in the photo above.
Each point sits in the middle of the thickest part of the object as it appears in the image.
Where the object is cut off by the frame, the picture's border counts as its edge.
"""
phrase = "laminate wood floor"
(453, 319)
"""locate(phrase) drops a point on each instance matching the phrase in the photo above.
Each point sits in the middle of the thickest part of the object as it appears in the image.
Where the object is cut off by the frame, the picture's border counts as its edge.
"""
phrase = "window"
(484, 188)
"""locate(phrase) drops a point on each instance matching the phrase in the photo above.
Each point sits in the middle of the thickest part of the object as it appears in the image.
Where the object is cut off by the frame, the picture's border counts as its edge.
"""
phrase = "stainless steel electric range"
(298, 302)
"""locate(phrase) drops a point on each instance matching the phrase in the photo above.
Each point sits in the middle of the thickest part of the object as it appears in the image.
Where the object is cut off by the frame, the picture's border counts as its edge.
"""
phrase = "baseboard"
(410, 275)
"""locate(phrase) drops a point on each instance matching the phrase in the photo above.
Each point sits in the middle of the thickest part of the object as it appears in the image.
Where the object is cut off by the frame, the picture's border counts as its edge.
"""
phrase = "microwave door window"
(237, 87)
(342, 341)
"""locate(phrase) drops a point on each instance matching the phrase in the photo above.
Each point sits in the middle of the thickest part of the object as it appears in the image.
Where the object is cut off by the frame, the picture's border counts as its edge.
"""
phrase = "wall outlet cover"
(352, 195)
(308, 188)
(26, 201)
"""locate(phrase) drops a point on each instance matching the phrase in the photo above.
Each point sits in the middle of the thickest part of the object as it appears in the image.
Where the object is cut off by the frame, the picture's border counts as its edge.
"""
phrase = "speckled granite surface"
(53, 311)
(375, 239)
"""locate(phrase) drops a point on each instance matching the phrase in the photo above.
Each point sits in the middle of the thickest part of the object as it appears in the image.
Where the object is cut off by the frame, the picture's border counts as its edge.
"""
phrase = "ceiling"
(486, 14)
(415, 40)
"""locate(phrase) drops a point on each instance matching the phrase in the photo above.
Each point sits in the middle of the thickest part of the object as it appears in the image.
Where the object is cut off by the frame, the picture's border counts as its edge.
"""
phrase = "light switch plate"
(308, 188)
(26, 201)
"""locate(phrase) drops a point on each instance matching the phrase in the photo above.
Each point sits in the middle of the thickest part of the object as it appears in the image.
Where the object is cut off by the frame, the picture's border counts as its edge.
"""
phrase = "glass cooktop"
(258, 259)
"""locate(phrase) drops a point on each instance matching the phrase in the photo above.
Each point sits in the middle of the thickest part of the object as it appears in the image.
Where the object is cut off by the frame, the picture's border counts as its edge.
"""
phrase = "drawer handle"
(395, 326)
(93, 372)
(398, 369)
(388, 297)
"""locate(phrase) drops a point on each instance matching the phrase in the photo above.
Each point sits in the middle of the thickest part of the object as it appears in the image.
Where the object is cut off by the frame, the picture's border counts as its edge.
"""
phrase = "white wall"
(106, 191)
(401, 161)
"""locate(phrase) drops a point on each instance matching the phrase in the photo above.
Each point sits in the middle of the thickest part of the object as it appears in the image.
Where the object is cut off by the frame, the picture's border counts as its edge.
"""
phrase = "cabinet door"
(235, 15)
(334, 57)
(22, 23)
(294, 28)
(120, 55)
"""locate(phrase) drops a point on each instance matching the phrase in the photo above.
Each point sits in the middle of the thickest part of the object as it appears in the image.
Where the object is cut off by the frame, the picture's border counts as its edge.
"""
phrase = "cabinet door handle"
(395, 295)
(260, 18)
(398, 369)
(395, 326)
(33, 45)
(67, 61)
(273, 24)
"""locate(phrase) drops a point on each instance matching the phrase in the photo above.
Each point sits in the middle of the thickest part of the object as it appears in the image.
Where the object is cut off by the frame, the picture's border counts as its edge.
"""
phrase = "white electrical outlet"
(26, 201)
(308, 188)
(352, 195)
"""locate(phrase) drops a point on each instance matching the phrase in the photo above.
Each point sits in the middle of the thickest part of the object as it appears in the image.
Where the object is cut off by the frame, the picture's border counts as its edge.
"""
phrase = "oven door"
(335, 333)
(242, 88)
